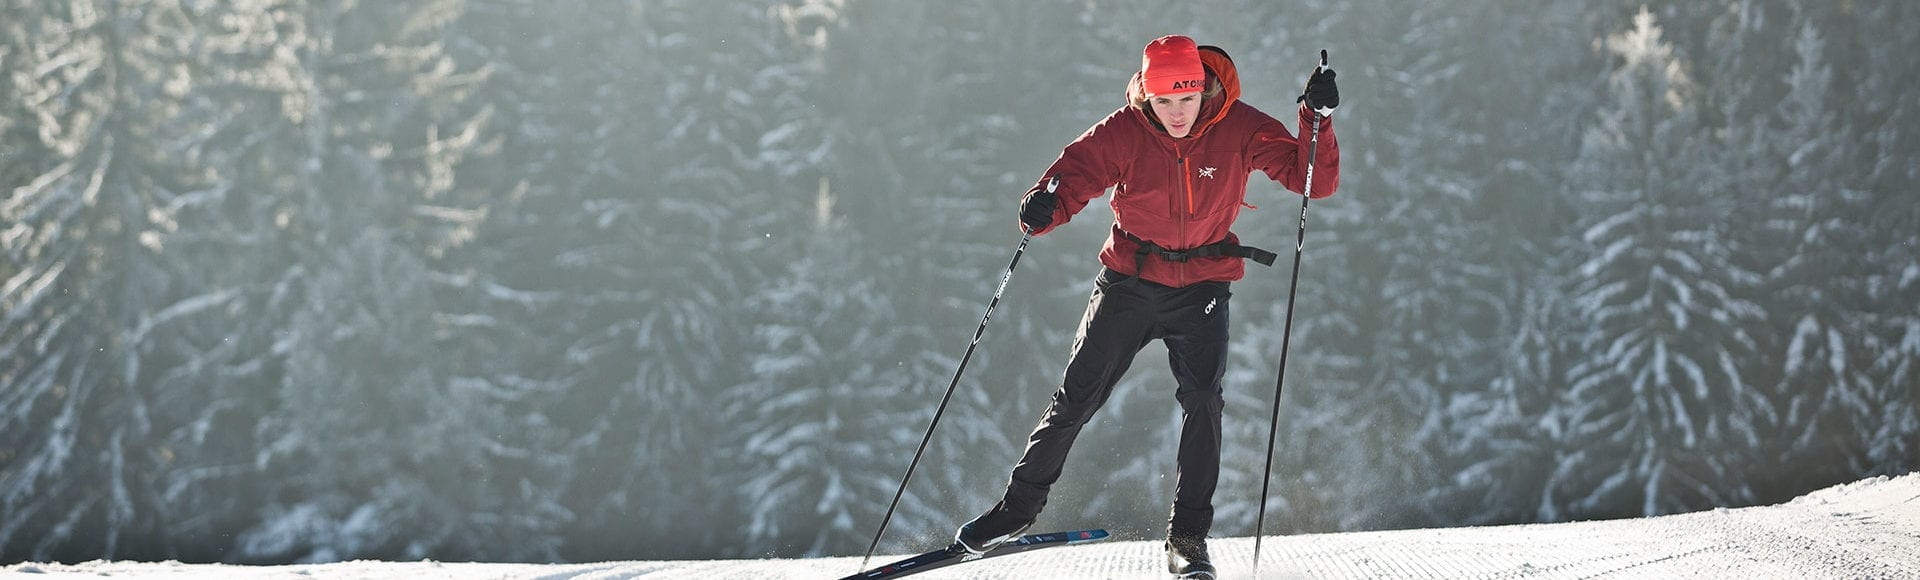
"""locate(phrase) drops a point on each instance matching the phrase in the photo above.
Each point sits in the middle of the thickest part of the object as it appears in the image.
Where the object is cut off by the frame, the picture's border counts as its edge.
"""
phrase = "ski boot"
(1187, 558)
(998, 526)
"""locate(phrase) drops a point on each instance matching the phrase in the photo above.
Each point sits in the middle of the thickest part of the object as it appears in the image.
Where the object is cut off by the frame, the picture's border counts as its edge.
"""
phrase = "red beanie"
(1171, 64)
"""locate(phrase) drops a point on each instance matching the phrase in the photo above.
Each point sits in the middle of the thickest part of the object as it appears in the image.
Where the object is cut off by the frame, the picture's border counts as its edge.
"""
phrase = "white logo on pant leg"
(1210, 304)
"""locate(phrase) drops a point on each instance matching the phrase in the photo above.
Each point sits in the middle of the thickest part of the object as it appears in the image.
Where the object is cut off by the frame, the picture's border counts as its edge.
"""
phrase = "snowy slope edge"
(1865, 529)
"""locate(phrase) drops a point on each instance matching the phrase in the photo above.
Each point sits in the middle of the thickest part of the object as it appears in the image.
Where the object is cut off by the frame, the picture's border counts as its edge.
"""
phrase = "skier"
(1177, 156)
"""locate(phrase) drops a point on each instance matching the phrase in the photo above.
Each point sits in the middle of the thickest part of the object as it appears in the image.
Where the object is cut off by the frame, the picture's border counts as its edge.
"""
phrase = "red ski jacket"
(1185, 193)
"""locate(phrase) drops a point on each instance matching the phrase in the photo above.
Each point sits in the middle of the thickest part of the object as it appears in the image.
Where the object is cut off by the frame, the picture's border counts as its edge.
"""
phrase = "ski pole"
(1293, 289)
(1026, 236)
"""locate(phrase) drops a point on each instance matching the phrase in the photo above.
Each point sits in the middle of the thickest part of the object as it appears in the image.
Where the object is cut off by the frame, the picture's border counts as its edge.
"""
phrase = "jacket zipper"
(1186, 181)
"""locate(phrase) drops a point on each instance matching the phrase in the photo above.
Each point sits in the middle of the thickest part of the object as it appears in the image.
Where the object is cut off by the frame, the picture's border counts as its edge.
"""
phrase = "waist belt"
(1220, 248)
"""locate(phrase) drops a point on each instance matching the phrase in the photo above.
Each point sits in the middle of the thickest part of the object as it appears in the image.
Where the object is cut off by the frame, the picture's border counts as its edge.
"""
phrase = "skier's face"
(1177, 111)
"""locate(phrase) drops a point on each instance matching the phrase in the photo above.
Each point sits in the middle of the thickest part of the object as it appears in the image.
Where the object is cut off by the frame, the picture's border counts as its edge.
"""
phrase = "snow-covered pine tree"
(943, 132)
(75, 479)
(1882, 72)
(830, 413)
(1806, 228)
(584, 270)
(376, 441)
(218, 159)
(663, 141)
(1529, 78)
(1645, 426)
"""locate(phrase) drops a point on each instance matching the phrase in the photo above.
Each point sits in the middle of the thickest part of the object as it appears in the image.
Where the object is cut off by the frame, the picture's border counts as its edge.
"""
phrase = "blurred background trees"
(309, 280)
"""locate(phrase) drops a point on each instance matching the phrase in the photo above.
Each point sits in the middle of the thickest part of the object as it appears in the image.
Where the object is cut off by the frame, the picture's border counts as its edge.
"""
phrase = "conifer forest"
(318, 280)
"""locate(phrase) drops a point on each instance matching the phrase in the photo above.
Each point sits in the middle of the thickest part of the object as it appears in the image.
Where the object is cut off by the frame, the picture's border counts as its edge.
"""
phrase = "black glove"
(1322, 95)
(1036, 211)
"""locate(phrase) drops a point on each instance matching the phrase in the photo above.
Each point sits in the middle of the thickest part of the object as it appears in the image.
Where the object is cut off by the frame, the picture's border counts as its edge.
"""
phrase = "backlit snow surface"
(1866, 529)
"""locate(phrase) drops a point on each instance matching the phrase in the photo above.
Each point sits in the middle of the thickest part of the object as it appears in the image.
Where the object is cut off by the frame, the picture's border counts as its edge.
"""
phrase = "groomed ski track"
(1866, 529)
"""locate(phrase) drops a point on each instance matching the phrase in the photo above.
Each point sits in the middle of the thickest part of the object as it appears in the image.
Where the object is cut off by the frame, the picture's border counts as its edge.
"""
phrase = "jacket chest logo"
(1207, 172)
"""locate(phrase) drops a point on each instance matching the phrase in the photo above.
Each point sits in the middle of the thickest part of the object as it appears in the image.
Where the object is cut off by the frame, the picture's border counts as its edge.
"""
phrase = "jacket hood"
(1220, 73)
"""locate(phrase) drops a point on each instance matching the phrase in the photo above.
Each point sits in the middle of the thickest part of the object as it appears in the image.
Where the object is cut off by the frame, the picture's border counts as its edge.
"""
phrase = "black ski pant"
(1123, 315)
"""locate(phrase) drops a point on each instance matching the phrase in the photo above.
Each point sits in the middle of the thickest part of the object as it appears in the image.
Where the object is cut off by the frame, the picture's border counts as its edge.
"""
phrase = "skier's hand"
(1321, 95)
(1036, 211)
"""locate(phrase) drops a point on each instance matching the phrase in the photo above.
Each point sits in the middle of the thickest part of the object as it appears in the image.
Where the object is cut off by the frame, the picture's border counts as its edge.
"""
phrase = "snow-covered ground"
(1866, 529)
